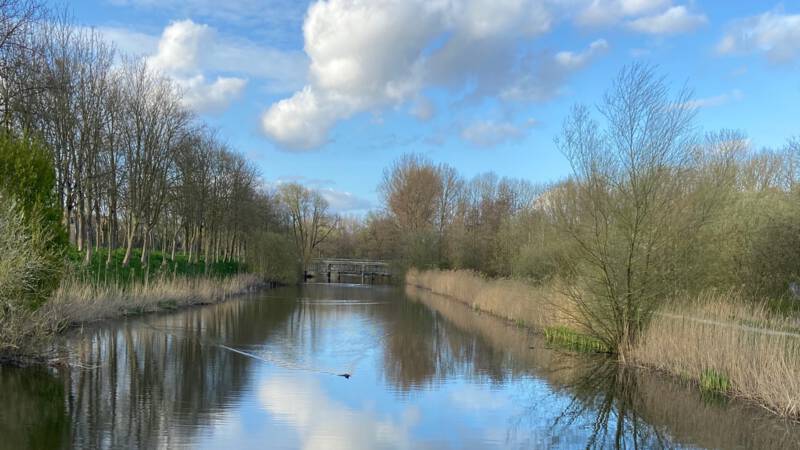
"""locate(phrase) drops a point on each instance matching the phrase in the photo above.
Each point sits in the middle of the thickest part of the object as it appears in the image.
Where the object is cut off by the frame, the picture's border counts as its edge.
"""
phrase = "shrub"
(27, 176)
(28, 274)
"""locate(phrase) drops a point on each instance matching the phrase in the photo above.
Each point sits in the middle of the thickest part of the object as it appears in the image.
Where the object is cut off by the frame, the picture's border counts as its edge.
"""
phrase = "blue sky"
(329, 93)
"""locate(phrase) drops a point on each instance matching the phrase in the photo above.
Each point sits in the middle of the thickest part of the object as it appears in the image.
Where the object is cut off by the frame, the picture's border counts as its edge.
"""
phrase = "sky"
(328, 93)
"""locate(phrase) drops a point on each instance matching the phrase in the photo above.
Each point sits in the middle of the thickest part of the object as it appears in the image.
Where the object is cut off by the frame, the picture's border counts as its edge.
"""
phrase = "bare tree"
(18, 19)
(311, 222)
(154, 125)
(411, 188)
(627, 189)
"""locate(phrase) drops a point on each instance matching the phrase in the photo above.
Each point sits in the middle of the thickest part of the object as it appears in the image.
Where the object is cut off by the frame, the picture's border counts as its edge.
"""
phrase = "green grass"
(99, 273)
(564, 337)
(713, 381)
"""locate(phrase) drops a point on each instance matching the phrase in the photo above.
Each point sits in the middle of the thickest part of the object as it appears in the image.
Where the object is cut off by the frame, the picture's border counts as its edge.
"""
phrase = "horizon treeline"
(135, 171)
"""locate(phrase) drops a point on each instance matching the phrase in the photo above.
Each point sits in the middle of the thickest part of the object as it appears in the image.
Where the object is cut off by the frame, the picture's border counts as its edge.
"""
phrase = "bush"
(274, 257)
(32, 238)
(28, 273)
(28, 178)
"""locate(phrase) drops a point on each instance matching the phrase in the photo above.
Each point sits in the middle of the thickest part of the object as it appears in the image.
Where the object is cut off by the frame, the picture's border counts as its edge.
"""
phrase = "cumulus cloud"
(677, 19)
(202, 62)
(489, 133)
(179, 46)
(210, 97)
(180, 54)
(366, 55)
(302, 121)
(773, 33)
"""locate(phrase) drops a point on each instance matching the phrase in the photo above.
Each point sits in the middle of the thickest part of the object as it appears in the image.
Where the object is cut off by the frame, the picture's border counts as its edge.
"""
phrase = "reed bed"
(725, 343)
(77, 302)
(526, 304)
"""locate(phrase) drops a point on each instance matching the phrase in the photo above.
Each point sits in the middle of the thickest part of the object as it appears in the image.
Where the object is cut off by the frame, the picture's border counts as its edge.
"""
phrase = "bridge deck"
(349, 267)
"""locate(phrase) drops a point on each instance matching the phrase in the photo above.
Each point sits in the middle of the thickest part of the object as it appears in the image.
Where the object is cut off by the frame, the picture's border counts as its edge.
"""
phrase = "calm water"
(262, 372)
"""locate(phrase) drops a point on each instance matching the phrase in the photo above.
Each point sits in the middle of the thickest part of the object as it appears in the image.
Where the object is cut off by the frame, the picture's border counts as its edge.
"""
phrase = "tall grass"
(523, 303)
(725, 343)
(76, 302)
(28, 273)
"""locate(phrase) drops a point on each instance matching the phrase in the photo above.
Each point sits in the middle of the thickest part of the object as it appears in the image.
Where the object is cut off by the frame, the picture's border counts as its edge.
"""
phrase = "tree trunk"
(129, 247)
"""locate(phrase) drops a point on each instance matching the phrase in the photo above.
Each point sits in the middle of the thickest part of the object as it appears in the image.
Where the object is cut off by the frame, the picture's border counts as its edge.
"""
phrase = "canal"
(334, 366)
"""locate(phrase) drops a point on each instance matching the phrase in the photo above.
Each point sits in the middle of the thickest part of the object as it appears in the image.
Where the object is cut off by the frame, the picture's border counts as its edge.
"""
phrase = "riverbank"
(716, 340)
(76, 302)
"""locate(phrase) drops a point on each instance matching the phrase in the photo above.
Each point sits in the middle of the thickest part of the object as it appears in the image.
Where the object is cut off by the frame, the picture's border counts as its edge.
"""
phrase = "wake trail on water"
(271, 361)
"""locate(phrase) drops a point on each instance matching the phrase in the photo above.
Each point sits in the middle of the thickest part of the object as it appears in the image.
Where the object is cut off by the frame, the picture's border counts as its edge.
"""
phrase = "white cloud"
(180, 45)
(366, 55)
(643, 16)
(322, 422)
(202, 96)
(302, 121)
(192, 54)
(609, 12)
(488, 133)
(775, 34)
(674, 20)
(571, 61)
(342, 201)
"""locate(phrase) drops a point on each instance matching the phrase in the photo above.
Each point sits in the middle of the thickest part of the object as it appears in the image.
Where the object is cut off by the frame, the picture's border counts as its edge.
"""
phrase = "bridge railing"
(349, 266)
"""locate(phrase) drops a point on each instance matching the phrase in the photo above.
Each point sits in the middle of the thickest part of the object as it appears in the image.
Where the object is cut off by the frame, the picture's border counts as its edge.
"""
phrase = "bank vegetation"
(672, 247)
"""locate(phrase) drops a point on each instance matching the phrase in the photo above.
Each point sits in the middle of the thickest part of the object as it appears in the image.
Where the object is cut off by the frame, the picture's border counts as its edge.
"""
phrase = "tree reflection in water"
(606, 394)
(32, 410)
(601, 404)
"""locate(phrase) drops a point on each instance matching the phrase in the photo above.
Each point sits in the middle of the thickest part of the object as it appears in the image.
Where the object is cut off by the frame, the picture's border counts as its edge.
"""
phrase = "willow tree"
(619, 210)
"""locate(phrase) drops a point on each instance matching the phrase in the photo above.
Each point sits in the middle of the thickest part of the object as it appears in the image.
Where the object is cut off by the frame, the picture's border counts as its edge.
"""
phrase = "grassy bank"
(76, 302)
(25, 333)
(103, 288)
(717, 340)
(102, 270)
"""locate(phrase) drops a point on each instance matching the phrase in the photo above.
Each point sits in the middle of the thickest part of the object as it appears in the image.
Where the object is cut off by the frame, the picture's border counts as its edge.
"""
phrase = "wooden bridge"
(331, 270)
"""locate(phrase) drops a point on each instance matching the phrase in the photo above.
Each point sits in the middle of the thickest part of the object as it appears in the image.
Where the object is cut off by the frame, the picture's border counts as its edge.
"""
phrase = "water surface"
(425, 372)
